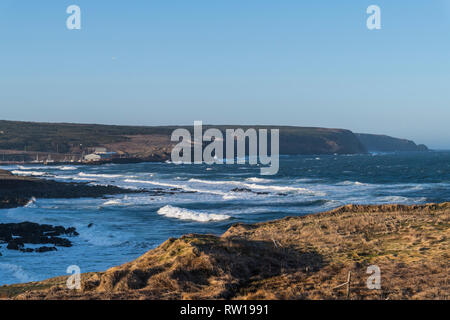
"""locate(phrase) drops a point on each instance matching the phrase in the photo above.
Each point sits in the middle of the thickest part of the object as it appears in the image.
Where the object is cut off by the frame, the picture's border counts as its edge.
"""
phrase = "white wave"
(30, 167)
(66, 168)
(27, 168)
(94, 175)
(29, 173)
(232, 196)
(112, 202)
(306, 180)
(280, 188)
(31, 203)
(352, 183)
(185, 214)
(258, 180)
(400, 199)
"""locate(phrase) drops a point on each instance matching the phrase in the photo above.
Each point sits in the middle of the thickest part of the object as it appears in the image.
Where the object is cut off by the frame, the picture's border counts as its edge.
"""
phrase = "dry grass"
(293, 258)
(143, 145)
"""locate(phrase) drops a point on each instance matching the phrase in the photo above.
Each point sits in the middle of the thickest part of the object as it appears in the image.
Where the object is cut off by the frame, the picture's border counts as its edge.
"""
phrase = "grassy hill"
(138, 140)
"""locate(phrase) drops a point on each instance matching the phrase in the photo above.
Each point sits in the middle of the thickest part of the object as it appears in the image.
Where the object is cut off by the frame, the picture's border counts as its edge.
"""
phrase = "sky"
(262, 62)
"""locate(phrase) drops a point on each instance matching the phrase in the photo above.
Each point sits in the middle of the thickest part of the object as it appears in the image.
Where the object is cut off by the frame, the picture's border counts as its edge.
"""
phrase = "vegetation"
(65, 137)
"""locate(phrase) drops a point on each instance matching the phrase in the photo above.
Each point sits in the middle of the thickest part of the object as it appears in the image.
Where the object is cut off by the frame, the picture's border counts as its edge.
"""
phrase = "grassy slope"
(293, 258)
(67, 138)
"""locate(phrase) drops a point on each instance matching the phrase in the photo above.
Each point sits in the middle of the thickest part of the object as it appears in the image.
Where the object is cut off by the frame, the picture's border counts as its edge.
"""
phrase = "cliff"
(305, 257)
(383, 143)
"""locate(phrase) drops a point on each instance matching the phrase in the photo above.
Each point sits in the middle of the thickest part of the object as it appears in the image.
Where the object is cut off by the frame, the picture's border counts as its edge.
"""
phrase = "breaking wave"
(258, 180)
(112, 203)
(66, 168)
(185, 214)
(82, 174)
(29, 173)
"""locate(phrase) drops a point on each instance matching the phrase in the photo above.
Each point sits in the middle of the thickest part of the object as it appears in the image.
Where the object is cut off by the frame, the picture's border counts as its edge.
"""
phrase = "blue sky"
(292, 62)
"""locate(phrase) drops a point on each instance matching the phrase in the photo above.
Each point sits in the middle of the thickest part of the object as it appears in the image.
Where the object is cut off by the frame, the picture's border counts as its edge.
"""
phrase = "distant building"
(92, 157)
(97, 156)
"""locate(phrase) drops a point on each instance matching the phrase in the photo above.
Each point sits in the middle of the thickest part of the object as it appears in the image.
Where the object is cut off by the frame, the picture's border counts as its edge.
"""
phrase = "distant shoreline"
(69, 143)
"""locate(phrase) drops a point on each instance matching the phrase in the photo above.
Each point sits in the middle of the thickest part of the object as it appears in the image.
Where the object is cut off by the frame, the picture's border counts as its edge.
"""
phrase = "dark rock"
(45, 249)
(241, 190)
(14, 245)
(33, 233)
(248, 190)
(17, 191)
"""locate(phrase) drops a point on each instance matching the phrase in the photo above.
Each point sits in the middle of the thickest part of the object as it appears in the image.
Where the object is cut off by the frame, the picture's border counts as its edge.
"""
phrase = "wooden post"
(349, 278)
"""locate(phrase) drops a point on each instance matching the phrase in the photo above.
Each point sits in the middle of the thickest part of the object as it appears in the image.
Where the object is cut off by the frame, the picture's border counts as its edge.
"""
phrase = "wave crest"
(185, 214)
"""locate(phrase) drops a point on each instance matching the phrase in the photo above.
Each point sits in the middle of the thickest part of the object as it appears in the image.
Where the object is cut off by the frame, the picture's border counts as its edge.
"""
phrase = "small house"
(92, 157)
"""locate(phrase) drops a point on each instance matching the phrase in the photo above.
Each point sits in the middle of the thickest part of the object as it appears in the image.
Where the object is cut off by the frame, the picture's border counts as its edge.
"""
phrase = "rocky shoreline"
(306, 257)
(16, 191)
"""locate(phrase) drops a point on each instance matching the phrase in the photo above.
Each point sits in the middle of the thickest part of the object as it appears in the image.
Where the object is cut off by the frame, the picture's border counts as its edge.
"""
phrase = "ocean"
(124, 227)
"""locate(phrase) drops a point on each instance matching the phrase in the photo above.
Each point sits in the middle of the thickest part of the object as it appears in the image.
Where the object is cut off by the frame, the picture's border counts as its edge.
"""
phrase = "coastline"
(304, 257)
(17, 191)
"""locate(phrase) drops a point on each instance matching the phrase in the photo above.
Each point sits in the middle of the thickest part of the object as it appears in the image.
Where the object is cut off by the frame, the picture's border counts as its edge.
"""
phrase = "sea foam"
(185, 214)
(29, 173)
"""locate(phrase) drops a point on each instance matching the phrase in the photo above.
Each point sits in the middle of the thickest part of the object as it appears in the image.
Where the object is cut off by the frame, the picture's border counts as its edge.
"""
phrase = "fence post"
(349, 278)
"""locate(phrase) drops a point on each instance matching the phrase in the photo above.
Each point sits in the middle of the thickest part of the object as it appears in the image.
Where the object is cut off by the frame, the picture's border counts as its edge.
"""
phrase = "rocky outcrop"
(17, 235)
(383, 143)
(17, 191)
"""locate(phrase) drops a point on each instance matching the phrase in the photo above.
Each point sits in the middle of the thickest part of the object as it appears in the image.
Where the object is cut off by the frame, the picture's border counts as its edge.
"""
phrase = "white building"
(92, 157)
